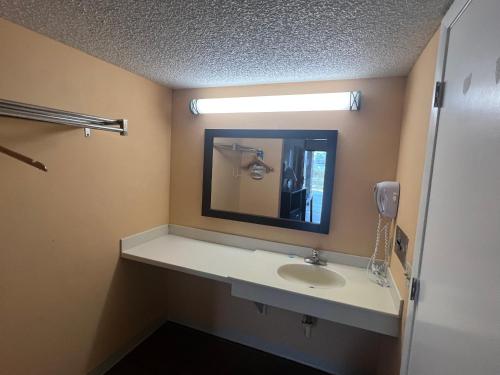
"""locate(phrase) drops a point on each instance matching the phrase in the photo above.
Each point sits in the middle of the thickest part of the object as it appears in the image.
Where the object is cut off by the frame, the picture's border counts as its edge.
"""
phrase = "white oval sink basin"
(310, 275)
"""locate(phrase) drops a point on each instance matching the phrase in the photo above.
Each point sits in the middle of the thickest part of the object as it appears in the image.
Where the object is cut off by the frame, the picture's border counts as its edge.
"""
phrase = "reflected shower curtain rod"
(10, 108)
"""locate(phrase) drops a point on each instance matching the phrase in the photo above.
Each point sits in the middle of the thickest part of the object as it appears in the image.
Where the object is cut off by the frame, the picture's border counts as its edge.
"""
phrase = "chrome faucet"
(315, 259)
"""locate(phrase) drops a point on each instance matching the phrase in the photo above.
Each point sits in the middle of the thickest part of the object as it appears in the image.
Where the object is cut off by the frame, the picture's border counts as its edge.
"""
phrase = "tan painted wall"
(411, 158)
(412, 149)
(225, 183)
(242, 193)
(66, 300)
(262, 197)
(367, 153)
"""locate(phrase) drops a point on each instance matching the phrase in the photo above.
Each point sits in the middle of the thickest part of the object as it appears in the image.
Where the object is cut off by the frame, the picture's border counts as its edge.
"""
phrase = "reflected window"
(314, 167)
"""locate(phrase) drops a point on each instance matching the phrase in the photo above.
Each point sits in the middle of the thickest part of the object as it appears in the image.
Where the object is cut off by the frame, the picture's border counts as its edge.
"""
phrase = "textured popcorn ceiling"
(195, 43)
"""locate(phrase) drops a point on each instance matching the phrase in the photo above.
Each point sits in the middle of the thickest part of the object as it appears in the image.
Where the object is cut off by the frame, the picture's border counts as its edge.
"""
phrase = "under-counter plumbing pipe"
(308, 322)
(262, 308)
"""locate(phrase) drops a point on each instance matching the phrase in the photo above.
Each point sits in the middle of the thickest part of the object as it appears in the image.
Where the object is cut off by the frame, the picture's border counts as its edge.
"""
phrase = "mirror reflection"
(273, 177)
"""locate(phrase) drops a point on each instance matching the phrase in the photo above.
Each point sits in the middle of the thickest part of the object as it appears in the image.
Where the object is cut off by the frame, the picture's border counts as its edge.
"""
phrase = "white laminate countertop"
(196, 257)
(233, 264)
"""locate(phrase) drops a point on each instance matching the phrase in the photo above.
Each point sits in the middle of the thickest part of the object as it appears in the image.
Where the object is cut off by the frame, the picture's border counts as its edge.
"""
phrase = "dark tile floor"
(178, 350)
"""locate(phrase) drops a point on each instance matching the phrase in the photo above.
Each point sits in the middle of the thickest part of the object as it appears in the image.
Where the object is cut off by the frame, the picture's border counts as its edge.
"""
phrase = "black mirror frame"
(329, 135)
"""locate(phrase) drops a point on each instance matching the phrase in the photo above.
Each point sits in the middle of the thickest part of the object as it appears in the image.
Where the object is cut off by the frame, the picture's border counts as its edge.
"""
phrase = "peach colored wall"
(225, 183)
(241, 193)
(66, 299)
(367, 152)
(262, 197)
(412, 150)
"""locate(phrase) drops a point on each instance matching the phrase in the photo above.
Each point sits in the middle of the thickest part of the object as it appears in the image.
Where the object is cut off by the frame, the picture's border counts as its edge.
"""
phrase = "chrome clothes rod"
(236, 147)
(33, 112)
(240, 148)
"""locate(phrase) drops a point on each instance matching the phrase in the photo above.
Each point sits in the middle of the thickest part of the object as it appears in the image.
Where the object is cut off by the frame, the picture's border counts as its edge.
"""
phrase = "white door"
(457, 316)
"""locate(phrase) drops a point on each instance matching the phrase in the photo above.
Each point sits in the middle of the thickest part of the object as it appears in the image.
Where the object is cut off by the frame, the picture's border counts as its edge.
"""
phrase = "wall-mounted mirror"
(281, 178)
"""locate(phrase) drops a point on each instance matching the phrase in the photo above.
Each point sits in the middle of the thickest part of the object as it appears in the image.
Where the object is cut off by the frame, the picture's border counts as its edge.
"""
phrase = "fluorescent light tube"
(335, 101)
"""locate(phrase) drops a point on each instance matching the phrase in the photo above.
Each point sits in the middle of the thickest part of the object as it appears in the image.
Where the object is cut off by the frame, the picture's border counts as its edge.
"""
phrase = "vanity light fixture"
(334, 101)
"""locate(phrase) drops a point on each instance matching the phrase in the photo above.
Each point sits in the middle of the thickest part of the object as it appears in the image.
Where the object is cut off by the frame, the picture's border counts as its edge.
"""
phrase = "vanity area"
(274, 274)
(280, 178)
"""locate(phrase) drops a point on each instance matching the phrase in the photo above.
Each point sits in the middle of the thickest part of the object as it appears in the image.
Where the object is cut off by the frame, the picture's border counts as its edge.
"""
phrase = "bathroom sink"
(311, 276)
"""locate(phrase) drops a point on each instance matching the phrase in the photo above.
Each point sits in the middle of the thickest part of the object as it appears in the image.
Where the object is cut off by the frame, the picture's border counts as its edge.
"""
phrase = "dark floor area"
(178, 350)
